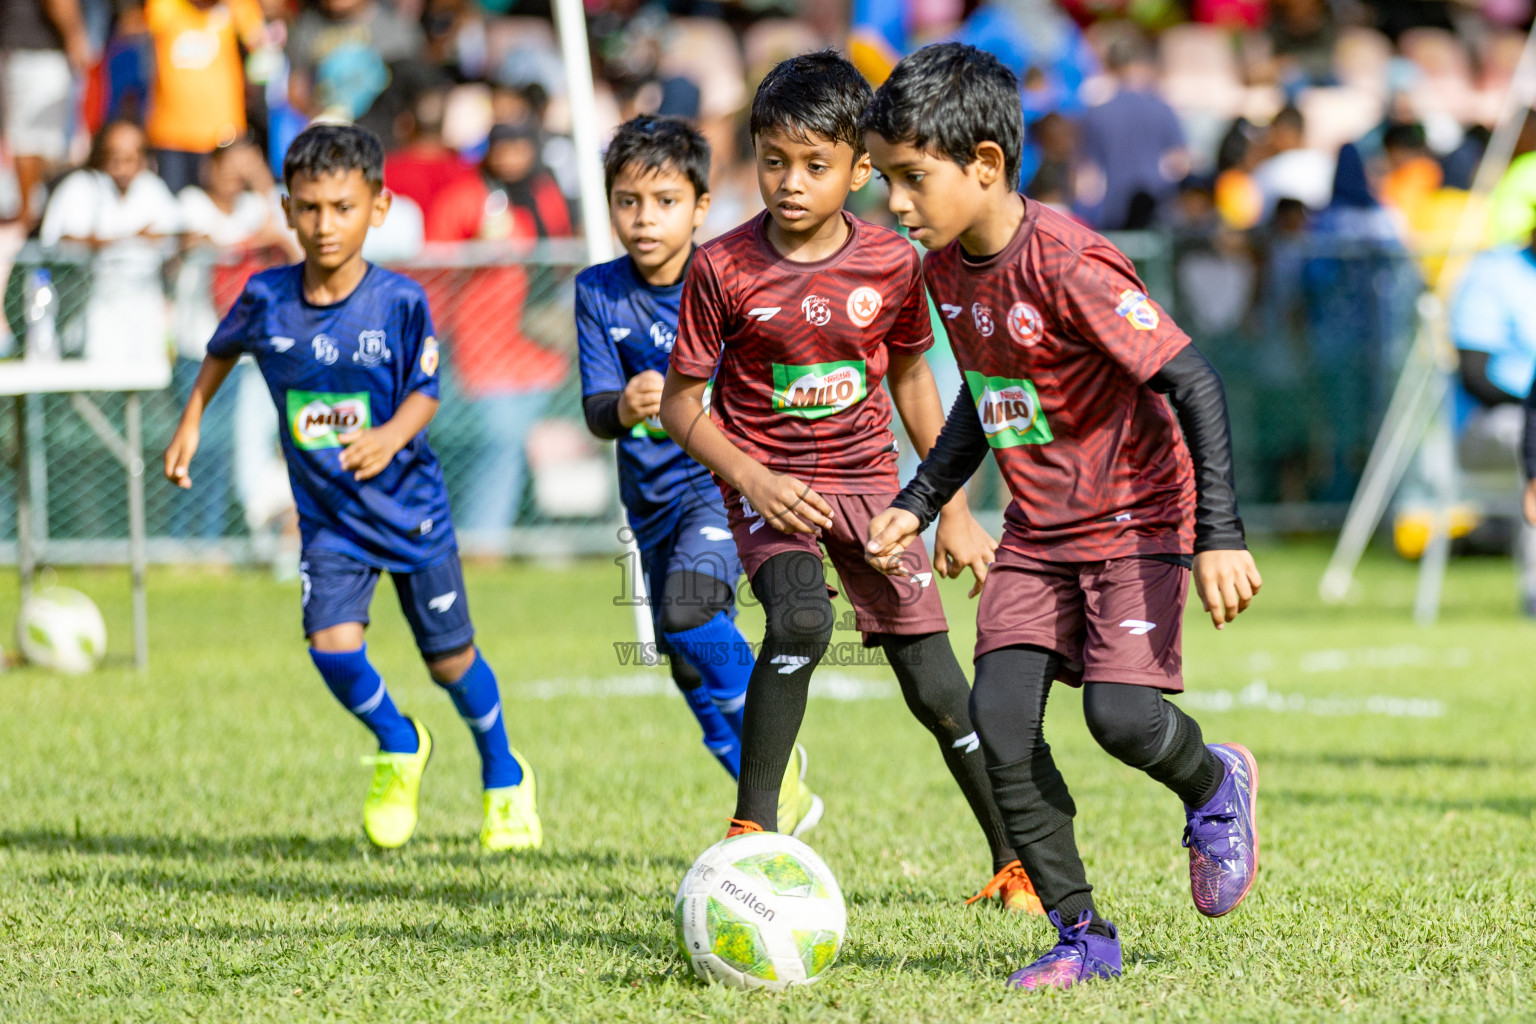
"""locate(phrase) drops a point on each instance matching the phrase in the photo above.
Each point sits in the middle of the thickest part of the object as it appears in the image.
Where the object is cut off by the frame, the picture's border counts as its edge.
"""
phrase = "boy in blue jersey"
(657, 172)
(347, 351)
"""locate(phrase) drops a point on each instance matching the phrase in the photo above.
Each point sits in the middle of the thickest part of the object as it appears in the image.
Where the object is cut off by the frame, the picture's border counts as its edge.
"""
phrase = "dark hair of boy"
(653, 144)
(323, 149)
(951, 98)
(813, 96)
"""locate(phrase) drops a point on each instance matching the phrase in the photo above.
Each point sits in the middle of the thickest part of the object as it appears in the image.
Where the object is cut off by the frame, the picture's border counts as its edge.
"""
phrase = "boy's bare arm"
(786, 503)
(959, 540)
(178, 454)
(367, 452)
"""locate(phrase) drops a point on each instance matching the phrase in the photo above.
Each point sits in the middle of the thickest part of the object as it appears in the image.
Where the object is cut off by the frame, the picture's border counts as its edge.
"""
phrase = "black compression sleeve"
(954, 457)
(1194, 389)
(1474, 377)
(602, 413)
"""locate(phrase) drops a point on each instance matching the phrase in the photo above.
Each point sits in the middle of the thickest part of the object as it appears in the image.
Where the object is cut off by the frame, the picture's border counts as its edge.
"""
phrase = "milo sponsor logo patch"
(1009, 410)
(818, 390)
(317, 419)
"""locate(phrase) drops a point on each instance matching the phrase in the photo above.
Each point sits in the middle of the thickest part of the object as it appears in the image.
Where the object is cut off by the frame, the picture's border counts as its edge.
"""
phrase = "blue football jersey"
(624, 327)
(338, 368)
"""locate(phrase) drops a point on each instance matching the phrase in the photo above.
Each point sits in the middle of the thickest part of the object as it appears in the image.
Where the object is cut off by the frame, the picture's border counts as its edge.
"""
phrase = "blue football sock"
(724, 658)
(718, 737)
(479, 702)
(357, 684)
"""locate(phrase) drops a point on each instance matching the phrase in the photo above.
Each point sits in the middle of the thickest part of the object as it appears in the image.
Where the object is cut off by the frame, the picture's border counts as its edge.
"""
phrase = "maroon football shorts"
(903, 605)
(1116, 621)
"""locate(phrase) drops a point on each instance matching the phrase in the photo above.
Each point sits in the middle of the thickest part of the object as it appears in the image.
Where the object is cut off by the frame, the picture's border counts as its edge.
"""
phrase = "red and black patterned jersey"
(798, 350)
(1056, 338)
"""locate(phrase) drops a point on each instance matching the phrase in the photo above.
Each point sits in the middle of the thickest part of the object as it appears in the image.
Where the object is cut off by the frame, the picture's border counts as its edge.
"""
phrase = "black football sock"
(939, 697)
(793, 592)
(1146, 731)
(1008, 706)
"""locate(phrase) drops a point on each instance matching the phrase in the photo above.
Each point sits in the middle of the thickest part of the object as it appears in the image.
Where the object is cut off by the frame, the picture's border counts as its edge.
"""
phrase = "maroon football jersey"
(798, 350)
(1057, 338)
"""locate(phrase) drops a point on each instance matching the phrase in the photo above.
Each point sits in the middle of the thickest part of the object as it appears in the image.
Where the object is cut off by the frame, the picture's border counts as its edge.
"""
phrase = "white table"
(20, 379)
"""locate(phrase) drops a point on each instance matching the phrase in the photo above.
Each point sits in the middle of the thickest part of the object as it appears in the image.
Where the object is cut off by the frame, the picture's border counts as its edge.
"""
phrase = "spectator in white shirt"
(123, 212)
(236, 212)
(237, 208)
(1293, 171)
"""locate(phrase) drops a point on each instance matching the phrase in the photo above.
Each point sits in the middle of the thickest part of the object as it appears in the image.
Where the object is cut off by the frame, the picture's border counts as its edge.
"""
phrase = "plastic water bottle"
(42, 302)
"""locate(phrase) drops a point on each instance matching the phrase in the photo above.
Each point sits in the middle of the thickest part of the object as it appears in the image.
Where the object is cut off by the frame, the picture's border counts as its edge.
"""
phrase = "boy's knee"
(806, 623)
(447, 669)
(990, 701)
(793, 591)
(691, 599)
(1127, 721)
(338, 639)
(680, 620)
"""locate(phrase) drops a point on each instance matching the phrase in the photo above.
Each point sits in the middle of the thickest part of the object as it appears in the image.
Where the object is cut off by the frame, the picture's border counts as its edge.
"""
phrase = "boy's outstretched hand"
(178, 456)
(1530, 502)
(1226, 582)
(959, 542)
(890, 533)
(367, 452)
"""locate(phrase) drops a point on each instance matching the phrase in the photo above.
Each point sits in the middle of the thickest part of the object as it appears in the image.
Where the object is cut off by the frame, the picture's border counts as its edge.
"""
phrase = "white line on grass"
(825, 686)
(1257, 696)
(1346, 659)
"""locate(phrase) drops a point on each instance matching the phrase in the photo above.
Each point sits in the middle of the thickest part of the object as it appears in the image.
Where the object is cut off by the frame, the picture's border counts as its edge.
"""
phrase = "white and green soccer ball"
(760, 910)
(61, 629)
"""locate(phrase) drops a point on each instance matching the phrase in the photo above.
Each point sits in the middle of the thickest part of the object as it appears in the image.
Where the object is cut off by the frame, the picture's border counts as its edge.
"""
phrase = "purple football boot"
(1223, 836)
(1079, 956)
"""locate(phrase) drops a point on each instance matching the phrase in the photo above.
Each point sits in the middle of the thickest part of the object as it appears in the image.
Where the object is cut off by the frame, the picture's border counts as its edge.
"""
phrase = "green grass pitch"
(185, 845)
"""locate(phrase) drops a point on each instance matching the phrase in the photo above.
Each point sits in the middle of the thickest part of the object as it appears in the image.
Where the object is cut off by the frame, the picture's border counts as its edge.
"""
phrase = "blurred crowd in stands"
(1145, 114)
(1254, 133)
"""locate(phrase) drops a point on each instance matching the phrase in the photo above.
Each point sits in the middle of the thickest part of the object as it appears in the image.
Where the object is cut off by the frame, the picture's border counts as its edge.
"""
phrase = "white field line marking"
(1257, 696)
(1357, 659)
(824, 686)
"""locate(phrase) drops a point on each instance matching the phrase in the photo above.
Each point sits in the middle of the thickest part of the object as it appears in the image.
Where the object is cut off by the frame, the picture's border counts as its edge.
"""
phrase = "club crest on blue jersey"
(662, 336)
(372, 349)
(326, 349)
(429, 356)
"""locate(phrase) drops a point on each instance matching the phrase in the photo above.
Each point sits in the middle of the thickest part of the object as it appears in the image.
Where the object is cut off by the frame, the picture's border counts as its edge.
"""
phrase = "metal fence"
(1306, 332)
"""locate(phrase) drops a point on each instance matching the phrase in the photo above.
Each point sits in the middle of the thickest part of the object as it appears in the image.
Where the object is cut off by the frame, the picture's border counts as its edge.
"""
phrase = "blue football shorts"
(338, 589)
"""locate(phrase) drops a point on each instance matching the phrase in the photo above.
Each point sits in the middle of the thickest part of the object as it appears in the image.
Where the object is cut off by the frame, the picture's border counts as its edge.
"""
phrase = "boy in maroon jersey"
(798, 315)
(1066, 363)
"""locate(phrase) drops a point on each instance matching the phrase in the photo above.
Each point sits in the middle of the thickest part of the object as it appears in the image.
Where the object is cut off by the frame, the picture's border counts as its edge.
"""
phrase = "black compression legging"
(793, 592)
(1134, 723)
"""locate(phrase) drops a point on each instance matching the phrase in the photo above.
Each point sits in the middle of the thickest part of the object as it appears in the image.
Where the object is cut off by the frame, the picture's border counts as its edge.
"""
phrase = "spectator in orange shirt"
(1413, 175)
(197, 93)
